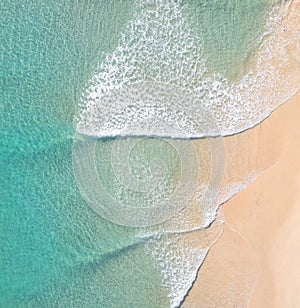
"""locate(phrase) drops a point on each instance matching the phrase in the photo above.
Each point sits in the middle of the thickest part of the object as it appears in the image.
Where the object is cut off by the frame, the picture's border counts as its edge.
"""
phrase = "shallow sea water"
(55, 250)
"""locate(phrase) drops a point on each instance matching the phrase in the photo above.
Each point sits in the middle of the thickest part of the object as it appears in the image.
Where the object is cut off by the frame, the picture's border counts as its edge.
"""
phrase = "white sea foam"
(158, 46)
(179, 257)
(177, 261)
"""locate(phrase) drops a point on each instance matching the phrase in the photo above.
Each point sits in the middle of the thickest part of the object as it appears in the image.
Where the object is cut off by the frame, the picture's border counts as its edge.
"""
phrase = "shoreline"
(257, 218)
(260, 212)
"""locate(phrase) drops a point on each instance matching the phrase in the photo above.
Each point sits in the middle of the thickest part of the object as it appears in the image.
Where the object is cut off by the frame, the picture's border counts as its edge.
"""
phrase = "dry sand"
(256, 262)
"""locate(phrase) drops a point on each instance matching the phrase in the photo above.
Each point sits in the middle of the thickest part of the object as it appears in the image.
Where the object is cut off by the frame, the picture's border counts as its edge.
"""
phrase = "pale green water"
(231, 30)
(55, 251)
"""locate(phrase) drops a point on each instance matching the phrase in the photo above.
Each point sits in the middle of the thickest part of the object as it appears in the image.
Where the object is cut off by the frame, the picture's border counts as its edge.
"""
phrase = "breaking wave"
(159, 46)
(157, 84)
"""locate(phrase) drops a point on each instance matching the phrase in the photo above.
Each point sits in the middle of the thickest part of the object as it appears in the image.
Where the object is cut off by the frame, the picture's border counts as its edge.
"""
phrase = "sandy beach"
(265, 213)
(255, 261)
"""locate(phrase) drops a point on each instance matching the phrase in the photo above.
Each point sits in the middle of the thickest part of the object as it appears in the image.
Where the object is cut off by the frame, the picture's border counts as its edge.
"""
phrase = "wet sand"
(256, 261)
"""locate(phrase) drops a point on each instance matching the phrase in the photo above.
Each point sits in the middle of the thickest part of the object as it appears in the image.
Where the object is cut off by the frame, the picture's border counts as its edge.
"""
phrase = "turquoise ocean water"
(54, 250)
